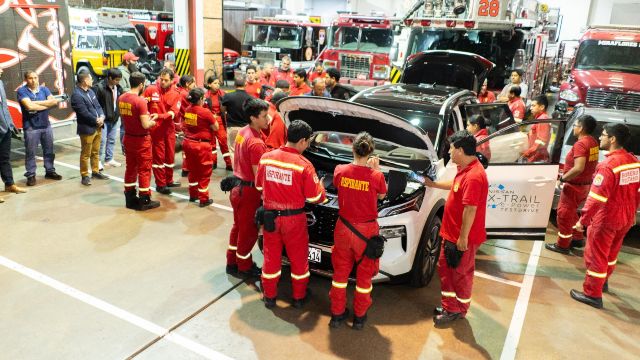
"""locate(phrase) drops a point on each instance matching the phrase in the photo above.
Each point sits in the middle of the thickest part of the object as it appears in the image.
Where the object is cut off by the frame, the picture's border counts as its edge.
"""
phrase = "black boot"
(147, 204)
(358, 322)
(132, 200)
(337, 320)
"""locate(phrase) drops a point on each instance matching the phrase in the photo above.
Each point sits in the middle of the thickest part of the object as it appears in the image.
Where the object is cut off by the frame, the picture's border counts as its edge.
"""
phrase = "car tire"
(426, 260)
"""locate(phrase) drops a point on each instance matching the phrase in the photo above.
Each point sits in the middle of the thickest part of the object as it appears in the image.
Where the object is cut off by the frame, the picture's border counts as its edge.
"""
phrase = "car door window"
(498, 114)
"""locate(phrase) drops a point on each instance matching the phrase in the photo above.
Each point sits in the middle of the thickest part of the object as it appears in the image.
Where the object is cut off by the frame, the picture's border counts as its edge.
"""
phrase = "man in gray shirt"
(6, 127)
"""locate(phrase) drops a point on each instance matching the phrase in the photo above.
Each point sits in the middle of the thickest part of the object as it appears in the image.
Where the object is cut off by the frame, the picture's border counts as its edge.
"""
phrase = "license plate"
(315, 255)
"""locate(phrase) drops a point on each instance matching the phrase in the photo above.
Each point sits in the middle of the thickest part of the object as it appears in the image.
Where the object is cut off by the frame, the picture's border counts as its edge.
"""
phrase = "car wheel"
(426, 260)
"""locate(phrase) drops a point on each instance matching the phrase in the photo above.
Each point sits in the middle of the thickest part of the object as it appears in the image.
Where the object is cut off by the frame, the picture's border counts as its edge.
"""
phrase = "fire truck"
(606, 69)
(359, 47)
(271, 38)
(508, 33)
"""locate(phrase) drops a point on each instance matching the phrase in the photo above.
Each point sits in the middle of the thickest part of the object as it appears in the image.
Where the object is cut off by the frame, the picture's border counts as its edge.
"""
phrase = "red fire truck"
(606, 69)
(509, 33)
(271, 38)
(359, 47)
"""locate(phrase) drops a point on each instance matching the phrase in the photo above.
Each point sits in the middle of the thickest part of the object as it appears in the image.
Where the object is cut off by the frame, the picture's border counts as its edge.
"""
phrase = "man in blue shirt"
(90, 119)
(319, 88)
(35, 101)
(6, 127)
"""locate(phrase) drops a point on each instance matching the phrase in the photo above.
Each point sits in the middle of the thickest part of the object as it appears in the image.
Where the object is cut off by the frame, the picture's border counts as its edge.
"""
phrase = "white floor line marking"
(113, 310)
(121, 180)
(520, 311)
(497, 279)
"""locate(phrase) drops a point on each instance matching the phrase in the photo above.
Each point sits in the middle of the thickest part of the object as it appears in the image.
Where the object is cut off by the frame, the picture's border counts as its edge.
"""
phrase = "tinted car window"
(428, 122)
(633, 145)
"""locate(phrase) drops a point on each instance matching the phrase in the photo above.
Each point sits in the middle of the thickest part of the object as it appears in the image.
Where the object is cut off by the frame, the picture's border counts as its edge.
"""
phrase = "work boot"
(147, 204)
(53, 176)
(269, 303)
(184, 173)
(446, 317)
(231, 269)
(556, 248)
(254, 271)
(31, 180)
(299, 303)
(194, 199)
(214, 166)
(229, 168)
(605, 287)
(206, 203)
(14, 189)
(131, 199)
(173, 184)
(585, 299)
(437, 310)
(163, 190)
(358, 322)
(337, 320)
(577, 244)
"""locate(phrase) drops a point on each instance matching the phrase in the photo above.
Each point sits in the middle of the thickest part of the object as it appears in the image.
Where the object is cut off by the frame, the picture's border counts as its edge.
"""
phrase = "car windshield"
(288, 37)
(126, 42)
(367, 40)
(609, 55)
(633, 145)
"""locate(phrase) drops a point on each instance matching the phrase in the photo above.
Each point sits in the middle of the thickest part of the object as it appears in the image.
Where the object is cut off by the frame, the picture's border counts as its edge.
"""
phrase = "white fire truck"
(509, 33)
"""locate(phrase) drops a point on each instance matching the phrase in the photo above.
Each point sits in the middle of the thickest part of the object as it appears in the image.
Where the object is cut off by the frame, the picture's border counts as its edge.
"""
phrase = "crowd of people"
(272, 180)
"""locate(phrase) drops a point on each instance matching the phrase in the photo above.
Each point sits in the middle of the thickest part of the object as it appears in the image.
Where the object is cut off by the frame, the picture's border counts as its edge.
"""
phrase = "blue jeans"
(108, 141)
(33, 137)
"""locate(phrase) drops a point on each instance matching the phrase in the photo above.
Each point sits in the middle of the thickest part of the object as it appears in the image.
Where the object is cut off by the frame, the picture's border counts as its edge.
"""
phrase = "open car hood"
(325, 114)
(447, 67)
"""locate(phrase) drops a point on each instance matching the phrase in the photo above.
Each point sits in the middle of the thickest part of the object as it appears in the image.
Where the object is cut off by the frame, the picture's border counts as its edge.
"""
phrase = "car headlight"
(395, 232)
(412, 204)
(569, 95)
(380, 72)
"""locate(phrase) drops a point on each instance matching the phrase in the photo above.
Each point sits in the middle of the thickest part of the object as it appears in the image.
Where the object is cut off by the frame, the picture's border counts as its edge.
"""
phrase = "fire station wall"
(213, 34)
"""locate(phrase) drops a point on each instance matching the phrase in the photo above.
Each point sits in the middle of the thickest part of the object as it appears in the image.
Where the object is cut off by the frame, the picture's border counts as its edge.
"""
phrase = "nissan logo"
(311, 219)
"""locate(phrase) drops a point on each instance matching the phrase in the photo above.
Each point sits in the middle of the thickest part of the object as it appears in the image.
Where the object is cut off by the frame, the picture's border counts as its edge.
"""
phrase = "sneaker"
(113, 163)
(100, 166)
(14, 189)
(53, 176)
(99, 176)
(86, 181)
(31, 180)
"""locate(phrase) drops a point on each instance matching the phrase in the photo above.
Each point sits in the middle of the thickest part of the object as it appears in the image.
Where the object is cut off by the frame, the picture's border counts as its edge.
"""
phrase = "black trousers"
(5, 164)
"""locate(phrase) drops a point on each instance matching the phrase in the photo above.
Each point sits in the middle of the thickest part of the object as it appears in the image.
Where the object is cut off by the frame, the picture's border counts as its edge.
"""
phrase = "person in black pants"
(6, 127)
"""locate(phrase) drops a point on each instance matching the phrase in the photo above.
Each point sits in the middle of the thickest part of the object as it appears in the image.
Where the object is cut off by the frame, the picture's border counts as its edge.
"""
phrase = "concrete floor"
(84, 278)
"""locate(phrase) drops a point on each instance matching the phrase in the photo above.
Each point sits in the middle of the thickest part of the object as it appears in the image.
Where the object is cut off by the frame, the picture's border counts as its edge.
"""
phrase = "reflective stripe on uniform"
(314, 199)
(595, 274)
(282, 164)
(233, 248)
(448, 294)
(339, 285)
(226, 155)
(157, 166)
(204, 190)
(611, 263)
(300, 277)
(193, 184)
(464, 301)
(598, 197)
(364, 291)
(626, 167)
(243, 257)
(143, 189)
(540, 142)
(565, 236)
(271, 276)
(169, 165)
(130, 184)
(259, 188)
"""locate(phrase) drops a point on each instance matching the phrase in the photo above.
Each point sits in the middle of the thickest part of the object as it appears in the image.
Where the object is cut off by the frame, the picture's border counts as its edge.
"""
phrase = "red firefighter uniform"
(279, 74)
(299, 91)
(358, 190)
(487, 97)
(137, 144)
(287, 180)
(276, 135)
(179, 122)
(609, 213)
(245, 199)
(539, 136)
(163, 135)
(575, 192)
(470, 188)
(253, 89)
(221, 133)
(198, 134)
(484, 148)
(314, 75)
(516, 105)
(269, 81)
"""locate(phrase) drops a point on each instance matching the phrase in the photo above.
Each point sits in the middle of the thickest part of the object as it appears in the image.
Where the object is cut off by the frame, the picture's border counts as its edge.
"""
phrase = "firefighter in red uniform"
(213, 100)
(300, 86)
(253, 86)
(284, 72)
(199, 129)
(287, 179)
(477, 126)
(516, 105)
(539, 134)
(267, 78)
(318, 72)
(245, 198)
(610, 211)
(486, 96)
(579, 166)
(164, 100)
(360, 185)
(463, 228)
(276, 135)
(137, 141)
(185, 84)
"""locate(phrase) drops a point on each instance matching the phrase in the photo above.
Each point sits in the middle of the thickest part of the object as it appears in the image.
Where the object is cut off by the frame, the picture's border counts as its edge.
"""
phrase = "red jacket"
(614, 198)
(298, 91)
(278, 74)
(215, 100)
(249, 148)
(484, 148)
(253, 89)
(277, 132)
(161, 101)
(314, 75)
(489, 97)
(539, 136)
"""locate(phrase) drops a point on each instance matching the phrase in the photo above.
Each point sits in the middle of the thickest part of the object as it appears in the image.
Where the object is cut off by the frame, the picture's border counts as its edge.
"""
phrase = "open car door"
(522, 173)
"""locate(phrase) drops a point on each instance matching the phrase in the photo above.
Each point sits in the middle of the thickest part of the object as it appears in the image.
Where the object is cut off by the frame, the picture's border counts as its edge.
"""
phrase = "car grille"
(321, 224)
(613, 100)
(265, 56)
(353, 65)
